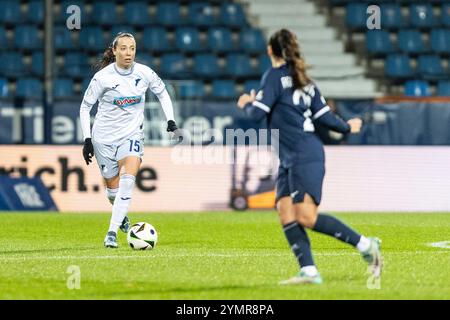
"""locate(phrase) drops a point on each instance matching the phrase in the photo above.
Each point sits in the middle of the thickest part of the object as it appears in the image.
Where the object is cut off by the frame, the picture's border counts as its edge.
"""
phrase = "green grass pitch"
(225, 255)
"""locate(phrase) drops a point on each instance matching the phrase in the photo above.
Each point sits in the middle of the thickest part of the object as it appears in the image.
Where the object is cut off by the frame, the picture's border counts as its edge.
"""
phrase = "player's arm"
(257, 106)
(90, 97)
(157, 86)
(322, 113)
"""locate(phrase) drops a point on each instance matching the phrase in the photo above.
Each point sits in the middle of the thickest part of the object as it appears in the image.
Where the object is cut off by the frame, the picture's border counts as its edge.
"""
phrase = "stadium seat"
(422, 16)
(10, 13)
(410, 41)
(252, 41)
(378, 42)
(232, 15)
(3, 38)
(91, 39)
(12, 64)
(63, 88)
(443, 88)
(35, 13)
(187, 39)
(445, 14)
(76, 64)
(201, 14)
(417, 88)
(174, 66)
(168, 14)
(356, 16)
(391, 16)
(155, 39)
(430, 67)
(62, 39)
(136, 14)
(251, 85)
(121, 28)
(223, 89)
(3, 88)
(220, 40)
(238, 66)
(440, 41)
(26, 37)
(206, 66)
(37, 64)
(146, 59)
(191, 90)
(104, 13)
(398, 66)
(29, 88)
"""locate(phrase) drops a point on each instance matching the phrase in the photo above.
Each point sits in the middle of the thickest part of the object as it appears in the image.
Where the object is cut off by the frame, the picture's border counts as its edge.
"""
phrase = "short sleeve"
(269, 91)
(93, 92)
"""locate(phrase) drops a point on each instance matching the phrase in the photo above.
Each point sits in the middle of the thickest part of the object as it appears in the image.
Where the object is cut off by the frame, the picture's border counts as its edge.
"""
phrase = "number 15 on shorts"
(135, 145)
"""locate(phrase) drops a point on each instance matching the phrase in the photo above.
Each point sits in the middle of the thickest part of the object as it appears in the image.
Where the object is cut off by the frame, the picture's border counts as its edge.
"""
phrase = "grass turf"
(223, 255)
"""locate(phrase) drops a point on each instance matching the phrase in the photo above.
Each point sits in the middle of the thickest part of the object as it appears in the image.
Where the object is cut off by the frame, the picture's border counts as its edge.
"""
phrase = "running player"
(117, 139)
(292, 104)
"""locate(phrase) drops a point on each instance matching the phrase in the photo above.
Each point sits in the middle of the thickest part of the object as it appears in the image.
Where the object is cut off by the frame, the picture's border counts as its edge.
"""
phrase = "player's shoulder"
(104, 72)
(143, 68)
(271, 74)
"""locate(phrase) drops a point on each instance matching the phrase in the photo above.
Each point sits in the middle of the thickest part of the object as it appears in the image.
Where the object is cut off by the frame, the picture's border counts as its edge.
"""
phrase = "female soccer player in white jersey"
(117, 134)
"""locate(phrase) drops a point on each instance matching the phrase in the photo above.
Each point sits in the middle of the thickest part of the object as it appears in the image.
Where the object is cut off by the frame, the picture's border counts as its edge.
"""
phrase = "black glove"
(172, 127)
(88, 150)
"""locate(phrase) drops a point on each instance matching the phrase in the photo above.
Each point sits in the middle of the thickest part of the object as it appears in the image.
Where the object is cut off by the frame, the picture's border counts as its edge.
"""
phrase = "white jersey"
(121, 97)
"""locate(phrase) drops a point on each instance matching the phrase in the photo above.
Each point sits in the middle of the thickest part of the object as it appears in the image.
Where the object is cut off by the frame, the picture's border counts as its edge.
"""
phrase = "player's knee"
(308, 220)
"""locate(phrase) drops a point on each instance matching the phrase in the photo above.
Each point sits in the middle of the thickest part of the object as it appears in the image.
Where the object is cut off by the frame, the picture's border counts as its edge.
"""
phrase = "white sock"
(111, 194)
(122, 201)
(363, 244)
(310, 271)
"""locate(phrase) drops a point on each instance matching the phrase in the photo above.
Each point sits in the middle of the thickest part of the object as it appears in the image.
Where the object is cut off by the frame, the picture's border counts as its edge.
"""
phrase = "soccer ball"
(142, 236)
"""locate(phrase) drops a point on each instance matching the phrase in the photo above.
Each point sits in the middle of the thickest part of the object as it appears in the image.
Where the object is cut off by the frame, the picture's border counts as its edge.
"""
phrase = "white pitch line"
(220, 255)
(441, 244)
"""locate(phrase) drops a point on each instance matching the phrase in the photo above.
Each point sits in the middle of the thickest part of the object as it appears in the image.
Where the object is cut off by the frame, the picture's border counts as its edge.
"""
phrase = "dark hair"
(284, 45)
(108, 55)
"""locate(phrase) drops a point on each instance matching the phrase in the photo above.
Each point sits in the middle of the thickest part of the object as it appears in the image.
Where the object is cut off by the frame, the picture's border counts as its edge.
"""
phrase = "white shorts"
(107, 156)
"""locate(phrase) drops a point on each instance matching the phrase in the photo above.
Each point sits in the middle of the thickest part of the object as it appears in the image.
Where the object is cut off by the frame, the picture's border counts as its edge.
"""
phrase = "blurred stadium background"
(396, 78)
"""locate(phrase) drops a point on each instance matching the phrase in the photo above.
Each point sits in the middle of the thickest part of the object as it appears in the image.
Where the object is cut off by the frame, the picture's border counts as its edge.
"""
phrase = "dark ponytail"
(108, 55)
(284, 45)
(108, 58)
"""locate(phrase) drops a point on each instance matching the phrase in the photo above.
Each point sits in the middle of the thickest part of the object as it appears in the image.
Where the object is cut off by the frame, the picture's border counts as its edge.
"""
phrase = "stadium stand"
(204, 40)
(410, 54)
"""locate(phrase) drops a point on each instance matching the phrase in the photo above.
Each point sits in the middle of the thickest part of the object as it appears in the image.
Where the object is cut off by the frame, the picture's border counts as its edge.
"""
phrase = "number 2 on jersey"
(136, 144)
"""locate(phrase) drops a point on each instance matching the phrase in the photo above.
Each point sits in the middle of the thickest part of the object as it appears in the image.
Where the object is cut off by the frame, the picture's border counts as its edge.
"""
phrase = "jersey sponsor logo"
(124, 102)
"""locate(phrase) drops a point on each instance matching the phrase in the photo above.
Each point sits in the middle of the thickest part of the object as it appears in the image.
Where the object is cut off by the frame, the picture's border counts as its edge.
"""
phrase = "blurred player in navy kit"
(292, 104)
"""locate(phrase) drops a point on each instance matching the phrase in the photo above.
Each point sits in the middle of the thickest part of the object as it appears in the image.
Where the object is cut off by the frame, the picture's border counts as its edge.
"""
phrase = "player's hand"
(176, 133)
(355, 125)
(88, 150)
(246, 98)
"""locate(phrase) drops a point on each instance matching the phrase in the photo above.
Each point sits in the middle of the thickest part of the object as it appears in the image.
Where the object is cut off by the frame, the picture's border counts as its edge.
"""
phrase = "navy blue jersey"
(293, 113)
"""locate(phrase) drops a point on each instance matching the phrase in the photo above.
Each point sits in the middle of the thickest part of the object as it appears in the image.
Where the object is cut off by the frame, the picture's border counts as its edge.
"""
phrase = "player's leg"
(129, 160)
(295, 233)
(312, 175)
(109, 169)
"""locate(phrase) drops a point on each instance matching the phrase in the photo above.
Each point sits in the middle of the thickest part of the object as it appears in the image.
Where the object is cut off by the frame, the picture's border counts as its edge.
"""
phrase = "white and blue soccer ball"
(142, 236)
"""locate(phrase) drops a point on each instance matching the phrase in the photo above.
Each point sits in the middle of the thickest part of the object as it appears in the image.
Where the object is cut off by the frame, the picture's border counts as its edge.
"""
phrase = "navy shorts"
(299, 179)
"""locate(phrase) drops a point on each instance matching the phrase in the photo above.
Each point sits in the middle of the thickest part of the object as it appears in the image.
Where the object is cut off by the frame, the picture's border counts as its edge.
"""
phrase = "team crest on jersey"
(124, 102)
